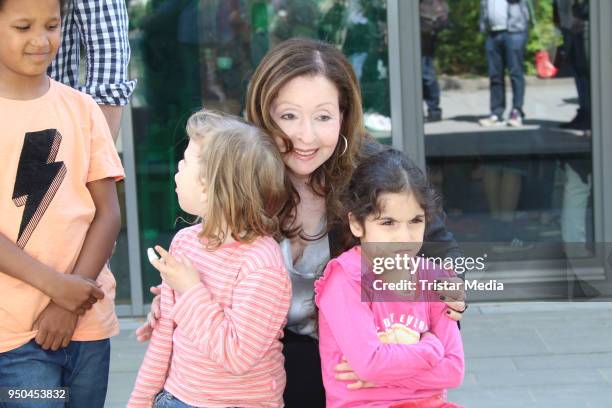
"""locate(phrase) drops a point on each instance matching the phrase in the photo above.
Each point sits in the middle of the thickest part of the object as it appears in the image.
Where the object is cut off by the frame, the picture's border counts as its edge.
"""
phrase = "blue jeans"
(166, 400)
(431, 88)
(82, 367)
(506, 50)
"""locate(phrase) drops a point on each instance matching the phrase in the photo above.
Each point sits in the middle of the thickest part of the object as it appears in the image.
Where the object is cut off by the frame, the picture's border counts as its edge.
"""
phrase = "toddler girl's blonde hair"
(245, 178)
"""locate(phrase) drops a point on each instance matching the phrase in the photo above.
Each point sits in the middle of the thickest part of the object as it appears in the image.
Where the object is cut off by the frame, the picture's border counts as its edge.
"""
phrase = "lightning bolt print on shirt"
(38, 179)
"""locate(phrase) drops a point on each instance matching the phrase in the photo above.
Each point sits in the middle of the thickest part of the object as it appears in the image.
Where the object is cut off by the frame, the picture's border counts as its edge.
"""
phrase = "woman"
(306, 96)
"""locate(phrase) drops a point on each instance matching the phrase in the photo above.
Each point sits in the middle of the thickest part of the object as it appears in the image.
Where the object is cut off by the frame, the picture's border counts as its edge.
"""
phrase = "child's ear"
(355, 226)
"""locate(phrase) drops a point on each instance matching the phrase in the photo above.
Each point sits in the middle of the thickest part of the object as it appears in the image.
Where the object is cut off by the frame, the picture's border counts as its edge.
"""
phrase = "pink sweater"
(355, 329)
(218, 344)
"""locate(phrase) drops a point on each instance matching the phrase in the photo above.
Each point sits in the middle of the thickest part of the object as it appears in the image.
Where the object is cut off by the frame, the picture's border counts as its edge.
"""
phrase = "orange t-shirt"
(50, 148)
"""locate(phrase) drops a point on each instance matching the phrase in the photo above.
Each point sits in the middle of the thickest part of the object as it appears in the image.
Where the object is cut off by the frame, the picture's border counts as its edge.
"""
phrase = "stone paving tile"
(534, 308)
(469, 381)
(529, 378)
(579, 360)
(478, 364)
(501, 342)
(575, 321)
(126, 354)
(607, 374)
(564, 340)
(119, 388)
(491, 397)
(592, 395)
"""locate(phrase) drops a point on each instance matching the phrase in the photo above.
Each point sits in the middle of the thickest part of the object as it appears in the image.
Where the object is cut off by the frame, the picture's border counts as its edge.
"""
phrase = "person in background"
(434, 18)
(572, 16)
(505, 24)
(100, 28)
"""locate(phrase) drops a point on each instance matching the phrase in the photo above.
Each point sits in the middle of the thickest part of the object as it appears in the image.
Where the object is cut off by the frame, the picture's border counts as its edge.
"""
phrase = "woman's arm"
(154, 369)
(440, 243)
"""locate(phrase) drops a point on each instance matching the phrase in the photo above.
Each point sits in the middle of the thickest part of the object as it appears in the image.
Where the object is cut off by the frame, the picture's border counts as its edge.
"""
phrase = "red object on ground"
(544, 66)
(432, 402)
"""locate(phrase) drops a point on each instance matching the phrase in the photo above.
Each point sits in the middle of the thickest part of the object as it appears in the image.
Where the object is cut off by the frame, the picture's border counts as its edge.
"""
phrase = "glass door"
(511, 135)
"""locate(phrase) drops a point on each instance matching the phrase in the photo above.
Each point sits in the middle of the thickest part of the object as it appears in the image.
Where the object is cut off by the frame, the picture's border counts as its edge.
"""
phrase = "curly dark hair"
(387, 171)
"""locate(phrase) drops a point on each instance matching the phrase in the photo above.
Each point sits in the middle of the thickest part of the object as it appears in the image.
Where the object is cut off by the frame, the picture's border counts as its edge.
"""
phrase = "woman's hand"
(344, 372)
(454, 299)
(178, 272)
(144, 332)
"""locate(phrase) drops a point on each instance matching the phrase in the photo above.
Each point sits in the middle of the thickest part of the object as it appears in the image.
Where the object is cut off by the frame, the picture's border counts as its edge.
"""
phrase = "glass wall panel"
(192, 53)
(508, 122)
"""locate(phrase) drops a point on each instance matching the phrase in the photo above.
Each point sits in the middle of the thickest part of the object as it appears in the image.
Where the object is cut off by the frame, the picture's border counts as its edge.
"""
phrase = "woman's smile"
(305, 154)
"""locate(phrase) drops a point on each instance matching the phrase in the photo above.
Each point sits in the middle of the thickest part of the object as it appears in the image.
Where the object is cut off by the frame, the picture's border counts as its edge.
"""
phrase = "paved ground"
(517, 355)
(545, 100)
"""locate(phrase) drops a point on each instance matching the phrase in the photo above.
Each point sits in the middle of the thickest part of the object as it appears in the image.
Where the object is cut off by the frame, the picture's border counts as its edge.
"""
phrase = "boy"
(59, 217)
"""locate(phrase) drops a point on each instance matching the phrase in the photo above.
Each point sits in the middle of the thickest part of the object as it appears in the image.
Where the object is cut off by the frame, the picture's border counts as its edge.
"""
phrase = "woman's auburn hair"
(300, 57)
(244, 174)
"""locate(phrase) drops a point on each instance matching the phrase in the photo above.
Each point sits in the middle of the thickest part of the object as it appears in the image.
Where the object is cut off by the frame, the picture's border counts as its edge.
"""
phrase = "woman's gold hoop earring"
(345, 144)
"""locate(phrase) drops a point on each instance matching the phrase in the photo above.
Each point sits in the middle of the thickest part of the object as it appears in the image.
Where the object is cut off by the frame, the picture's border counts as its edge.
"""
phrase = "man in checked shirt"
(100, 28)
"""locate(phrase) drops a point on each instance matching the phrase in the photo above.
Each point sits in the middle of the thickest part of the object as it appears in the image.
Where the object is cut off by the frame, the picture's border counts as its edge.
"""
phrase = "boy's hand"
(178, 273)
(55, 327)
(75, 293)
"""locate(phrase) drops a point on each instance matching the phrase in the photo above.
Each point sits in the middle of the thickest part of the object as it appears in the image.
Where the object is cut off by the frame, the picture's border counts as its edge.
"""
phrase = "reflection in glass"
(523, 174)
(193, 53)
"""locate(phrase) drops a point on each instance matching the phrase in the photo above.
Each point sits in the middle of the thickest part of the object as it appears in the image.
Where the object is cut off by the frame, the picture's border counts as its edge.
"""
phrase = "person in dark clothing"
(434, 18)
(572, 17)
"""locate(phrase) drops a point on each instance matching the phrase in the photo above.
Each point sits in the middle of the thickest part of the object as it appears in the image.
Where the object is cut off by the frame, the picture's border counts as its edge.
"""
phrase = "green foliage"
(460, 48)
(137, 12)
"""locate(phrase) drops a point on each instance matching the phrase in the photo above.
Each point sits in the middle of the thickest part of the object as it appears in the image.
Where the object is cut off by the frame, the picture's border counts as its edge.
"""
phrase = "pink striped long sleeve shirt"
(218, 344)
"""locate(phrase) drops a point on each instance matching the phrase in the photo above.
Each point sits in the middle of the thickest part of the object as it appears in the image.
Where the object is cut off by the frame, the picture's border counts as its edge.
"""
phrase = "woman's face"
(307, 110)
